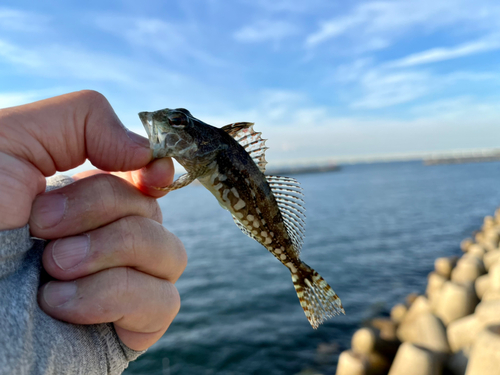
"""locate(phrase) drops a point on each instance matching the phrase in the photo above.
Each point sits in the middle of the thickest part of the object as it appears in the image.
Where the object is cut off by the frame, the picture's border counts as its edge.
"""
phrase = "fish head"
(171, 132)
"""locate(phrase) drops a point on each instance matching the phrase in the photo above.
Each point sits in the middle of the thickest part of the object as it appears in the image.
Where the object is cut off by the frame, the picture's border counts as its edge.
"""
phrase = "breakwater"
(454, 328)
(464, 157)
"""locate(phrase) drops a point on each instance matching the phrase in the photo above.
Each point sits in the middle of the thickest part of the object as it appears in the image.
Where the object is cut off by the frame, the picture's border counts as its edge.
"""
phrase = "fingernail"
(48, 210)
(57, 293)
(140, 140)
(71, 251)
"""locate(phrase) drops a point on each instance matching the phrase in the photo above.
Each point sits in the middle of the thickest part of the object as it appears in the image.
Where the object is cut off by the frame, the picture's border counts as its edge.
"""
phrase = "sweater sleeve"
(31, 342)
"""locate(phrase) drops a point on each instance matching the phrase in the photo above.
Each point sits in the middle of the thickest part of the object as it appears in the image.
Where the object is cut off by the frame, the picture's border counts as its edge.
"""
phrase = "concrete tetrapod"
(485, 353)
(481, 285)
(351, 363)
(491, 258)
(414, 360)
(462, 332)
(468, 269)
(368, 340)
(456, 301)
(477, 250)
(434, 286)
(425, 330)
(398, 313)
(444, 266)
(488, 312)
(495, 276)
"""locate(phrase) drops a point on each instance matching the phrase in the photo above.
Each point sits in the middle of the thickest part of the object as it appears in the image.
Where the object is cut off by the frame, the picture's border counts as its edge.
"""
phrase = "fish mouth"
(156, 136)
(152, 130)
(147, 122)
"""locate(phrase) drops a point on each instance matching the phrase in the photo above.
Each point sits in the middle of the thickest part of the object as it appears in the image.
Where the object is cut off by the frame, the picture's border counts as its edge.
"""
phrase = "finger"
(61, 132)
(58, 134)
(89, 173)
(135, 302)
(132, 241)
(158, 173)
(88, 204)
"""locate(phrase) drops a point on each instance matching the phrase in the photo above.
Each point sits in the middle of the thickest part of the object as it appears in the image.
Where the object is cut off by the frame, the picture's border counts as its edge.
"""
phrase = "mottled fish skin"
(227, 170)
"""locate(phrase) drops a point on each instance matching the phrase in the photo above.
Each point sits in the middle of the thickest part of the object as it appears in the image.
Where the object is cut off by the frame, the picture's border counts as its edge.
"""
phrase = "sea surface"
(373, 232)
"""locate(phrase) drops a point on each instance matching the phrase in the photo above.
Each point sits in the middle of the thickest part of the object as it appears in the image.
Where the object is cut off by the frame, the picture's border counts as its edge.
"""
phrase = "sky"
(321, 79)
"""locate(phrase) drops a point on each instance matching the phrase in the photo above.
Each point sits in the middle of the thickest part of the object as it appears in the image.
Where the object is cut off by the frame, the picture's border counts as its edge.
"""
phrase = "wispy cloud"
(174, 42)
(382, 89)
(11, 99)
(442, 53)
(389, 21)
(58, 61)
(266, 30)
(379, 86)
(19, 55)
(17, 20)
(281, 6)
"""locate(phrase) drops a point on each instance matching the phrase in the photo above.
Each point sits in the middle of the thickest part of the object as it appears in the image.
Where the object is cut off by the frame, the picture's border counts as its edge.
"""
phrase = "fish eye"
(178, 121)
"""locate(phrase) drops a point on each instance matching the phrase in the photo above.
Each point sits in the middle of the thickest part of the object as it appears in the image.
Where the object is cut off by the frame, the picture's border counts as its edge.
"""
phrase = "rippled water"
(373, 232)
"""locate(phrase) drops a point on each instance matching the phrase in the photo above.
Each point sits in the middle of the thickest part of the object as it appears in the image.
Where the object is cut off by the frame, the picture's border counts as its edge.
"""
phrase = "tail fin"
(316, 297)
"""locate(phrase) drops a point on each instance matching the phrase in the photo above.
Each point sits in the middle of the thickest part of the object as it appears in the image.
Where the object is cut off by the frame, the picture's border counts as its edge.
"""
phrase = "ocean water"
(373, 232)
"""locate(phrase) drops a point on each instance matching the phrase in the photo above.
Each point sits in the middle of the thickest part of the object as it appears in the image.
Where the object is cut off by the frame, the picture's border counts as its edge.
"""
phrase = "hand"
(115, 261)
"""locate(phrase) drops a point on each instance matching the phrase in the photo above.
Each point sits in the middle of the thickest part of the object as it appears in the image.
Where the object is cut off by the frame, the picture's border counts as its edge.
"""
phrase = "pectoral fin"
(182, 181)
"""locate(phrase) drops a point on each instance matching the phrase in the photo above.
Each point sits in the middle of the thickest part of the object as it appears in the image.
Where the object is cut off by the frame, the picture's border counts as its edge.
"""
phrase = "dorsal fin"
(234, 128)
(288, 194)
(251, 141)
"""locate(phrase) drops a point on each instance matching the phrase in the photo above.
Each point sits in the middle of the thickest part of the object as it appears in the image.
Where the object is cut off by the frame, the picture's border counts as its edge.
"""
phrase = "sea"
(373, 232)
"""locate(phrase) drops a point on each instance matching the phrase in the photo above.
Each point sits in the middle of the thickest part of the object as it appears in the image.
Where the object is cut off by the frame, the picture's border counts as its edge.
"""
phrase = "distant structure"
(301, 169)
(464, 157)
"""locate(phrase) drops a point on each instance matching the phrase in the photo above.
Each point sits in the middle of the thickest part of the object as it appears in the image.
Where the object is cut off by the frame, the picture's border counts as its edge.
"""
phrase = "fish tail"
(316, 297)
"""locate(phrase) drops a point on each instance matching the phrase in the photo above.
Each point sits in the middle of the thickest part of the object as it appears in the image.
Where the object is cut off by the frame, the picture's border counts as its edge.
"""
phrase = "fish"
(230, 162)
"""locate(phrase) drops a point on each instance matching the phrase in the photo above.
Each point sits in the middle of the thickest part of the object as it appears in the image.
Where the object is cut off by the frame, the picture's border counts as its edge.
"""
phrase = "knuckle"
(174, 246)
(129, 237)
(173, 299)
(109, 193)
(94, 97)
(121, 283)
(183, 257)
(157, 215)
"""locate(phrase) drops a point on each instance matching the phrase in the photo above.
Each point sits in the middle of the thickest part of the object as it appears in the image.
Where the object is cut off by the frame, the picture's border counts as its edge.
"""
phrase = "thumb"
(58, 134)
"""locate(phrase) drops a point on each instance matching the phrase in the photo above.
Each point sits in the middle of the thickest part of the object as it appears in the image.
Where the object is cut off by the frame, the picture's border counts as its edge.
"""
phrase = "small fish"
(230, 162)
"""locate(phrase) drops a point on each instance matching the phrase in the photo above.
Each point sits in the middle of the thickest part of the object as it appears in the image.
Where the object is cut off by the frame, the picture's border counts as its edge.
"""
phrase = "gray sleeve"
(32, 342)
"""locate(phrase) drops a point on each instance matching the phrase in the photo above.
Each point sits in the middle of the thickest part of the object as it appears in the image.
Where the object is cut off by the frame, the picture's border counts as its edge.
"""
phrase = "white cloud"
(16, 20)
(374, 87)
(173, 41)
(312, 132)
(458, 109)
(443, 53)
(11, 99)
(265, 30)
(282, 6)
(384, 89)
(64, 62)
(19, 55)
(388, 21)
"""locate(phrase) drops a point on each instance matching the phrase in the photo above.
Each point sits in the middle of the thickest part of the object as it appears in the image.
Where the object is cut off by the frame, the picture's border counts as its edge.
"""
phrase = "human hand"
(109, 248)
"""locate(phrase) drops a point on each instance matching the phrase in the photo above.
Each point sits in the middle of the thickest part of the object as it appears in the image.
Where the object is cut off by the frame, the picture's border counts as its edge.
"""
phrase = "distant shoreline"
(303, 169)
(461, 159)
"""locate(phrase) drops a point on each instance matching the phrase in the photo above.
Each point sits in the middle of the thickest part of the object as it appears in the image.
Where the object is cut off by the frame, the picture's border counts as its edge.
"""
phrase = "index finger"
(148, 179)
(58, 134)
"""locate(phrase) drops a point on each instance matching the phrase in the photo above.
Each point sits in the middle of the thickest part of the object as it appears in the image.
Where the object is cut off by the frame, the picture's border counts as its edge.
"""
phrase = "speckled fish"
(230, 162)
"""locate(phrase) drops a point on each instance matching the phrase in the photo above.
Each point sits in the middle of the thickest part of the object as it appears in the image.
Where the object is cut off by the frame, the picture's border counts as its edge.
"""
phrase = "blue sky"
(321, 79)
